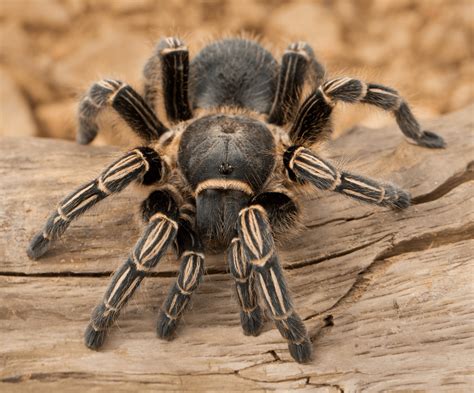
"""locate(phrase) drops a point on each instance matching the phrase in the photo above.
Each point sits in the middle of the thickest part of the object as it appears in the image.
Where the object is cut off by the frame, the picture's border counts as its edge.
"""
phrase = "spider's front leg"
(162, 216)
(189, 249)
(251, 317)
(257, 241)
(141, 164)
(282, 213)
(171, 63)
(302, 164)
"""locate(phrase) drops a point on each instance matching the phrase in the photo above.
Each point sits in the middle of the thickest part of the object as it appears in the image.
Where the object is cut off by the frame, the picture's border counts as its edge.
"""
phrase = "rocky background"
(51, 50)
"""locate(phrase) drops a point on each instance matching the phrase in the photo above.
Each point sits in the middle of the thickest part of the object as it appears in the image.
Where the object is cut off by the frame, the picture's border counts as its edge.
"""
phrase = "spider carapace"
(225, 159)
(224, 174)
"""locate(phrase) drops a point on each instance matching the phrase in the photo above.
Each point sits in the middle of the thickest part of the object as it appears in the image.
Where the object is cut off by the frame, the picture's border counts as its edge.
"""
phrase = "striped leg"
(313, 120)
(190, 273)
(142, 164)
(296, 60)
(251, 316)
(172, 59)
(157, 237)
(257, 241)
(303, 164)
(127, 103)
(314, 115)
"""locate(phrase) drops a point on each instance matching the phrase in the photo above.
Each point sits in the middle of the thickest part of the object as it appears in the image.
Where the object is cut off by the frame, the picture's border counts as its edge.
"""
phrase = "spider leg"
(140, 164)
(257, 241)
(152, 245)
(126, 102)
(282, 213)
(314, 115)
(302, 164)
(189, 249)
(251, 316)
(172, 63)
(297, 61)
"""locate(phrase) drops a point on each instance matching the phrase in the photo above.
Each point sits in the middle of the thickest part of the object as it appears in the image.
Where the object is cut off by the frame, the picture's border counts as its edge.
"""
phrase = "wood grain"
(387, 296)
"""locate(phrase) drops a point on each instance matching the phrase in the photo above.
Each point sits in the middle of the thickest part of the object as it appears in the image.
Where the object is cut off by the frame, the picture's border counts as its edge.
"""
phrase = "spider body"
(224, 174)
(235, 73)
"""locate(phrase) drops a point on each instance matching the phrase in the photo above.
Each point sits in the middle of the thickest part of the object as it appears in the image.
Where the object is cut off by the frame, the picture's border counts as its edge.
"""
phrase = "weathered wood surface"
(398, 286)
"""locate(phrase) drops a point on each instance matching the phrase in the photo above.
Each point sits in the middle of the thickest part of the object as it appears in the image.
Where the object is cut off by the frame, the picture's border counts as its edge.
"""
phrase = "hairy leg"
(126, 102)
(251, 316)
(152, 245)
(171, 62)
(191, 270)
(257, 241)
(302, 164)
(313, 117)
(298, 61)
(141, 164)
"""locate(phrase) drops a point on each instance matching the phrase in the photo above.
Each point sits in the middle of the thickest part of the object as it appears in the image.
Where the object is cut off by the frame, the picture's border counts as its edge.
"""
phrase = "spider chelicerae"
(224, 173)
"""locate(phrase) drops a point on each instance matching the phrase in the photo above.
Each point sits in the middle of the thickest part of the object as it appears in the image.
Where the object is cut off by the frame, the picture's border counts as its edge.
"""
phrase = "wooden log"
(387, 296)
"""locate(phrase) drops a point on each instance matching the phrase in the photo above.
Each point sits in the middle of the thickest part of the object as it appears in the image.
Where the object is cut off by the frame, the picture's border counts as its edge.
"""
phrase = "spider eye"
(225, 168)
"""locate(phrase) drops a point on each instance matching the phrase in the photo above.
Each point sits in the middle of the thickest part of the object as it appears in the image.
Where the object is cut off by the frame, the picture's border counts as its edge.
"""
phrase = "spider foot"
(38, 246)
(252, 321)
(431, 140)
(166, 327)
(401, 199)
(93, 338)
(301, 352)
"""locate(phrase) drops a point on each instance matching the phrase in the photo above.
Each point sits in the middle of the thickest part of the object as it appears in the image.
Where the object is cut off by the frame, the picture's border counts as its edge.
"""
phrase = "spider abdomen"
(234, 72)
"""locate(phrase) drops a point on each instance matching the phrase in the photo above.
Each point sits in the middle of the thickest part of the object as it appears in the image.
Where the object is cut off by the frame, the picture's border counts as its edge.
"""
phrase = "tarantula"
(224, 174)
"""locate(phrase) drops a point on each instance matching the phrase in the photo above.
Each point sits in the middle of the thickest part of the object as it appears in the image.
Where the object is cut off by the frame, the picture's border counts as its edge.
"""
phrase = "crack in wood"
(428, 240)
(384, 260)
(447, 186)
(275, 355)
(312, 226)
(325, 385)
(315, 261)
(289, 379)
(161, 274)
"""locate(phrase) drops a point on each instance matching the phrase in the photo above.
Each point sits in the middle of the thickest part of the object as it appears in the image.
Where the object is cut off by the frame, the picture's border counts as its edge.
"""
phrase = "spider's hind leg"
(353, 91)
(297, 64)
(314, 116)
(171, 62)
(130, 106)
(189, 249)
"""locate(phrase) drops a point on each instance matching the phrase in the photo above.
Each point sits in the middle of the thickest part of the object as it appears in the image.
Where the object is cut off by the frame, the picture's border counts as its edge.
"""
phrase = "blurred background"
(51, 50)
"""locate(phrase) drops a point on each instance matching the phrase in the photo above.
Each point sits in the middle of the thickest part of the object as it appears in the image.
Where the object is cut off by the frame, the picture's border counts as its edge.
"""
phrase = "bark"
(387, 296)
